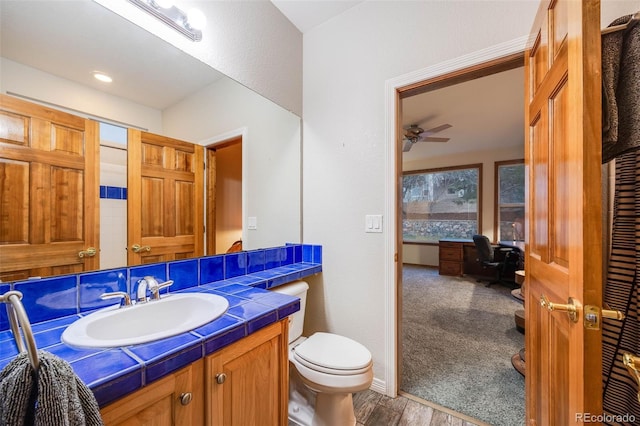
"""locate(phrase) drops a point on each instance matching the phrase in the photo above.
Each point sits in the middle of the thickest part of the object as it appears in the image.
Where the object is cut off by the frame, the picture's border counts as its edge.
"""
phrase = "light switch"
(373, 223)
(252, 222)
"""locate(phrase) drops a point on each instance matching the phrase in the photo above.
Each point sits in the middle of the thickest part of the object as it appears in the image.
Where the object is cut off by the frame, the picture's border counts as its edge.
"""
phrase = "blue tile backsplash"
(4, 321)
(211, 269)
(235, 264)
(183, 273)
(113, 192)
(52, 304)
(49, 298)
(93, 285)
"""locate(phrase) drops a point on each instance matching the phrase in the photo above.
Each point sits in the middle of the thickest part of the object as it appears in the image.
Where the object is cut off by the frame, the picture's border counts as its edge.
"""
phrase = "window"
(510, 200)
(441, 203)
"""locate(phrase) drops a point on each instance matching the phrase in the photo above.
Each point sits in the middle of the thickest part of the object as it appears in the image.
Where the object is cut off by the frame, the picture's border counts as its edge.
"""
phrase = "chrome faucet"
(151, 284)
(126, 300)
(155, 287)
(142, 290)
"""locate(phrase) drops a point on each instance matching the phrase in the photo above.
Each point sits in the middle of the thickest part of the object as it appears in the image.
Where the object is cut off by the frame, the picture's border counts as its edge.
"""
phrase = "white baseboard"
(379, 386)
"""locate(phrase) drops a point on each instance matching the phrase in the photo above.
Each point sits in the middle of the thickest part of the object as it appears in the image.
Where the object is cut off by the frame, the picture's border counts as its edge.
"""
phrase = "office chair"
(487, 259)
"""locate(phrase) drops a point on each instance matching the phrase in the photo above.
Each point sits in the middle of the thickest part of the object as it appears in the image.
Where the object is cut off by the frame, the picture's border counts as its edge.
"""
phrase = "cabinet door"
(247, 382)
(164, 402)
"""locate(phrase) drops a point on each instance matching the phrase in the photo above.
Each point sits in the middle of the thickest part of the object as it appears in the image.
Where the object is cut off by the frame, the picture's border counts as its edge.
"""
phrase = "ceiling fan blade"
(437, 129)
(406, 145)
(432, 139)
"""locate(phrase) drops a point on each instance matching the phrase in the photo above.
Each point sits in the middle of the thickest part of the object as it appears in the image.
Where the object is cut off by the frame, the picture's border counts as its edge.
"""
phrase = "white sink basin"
(145, 322)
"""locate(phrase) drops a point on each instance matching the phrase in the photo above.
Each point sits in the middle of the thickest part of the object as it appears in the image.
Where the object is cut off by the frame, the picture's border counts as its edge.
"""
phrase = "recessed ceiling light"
(102, 77)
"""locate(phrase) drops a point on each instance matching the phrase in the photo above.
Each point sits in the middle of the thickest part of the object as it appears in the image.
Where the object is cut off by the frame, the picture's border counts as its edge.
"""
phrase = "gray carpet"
(458, 339)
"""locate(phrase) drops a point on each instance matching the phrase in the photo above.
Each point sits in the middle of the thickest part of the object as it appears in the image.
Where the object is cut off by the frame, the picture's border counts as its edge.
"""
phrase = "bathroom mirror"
(50, 48)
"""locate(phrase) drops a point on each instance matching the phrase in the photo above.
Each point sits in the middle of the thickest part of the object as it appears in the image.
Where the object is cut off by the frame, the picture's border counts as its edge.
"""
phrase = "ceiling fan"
(415, 133)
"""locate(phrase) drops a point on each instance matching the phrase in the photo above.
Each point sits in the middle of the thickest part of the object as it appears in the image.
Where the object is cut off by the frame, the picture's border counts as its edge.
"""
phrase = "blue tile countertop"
(116, 372)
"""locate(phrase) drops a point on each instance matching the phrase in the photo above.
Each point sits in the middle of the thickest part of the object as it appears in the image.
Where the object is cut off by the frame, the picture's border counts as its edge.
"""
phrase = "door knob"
(220, 378)
(632, 363)
(570, 308)
(137, 248)
(90, 252)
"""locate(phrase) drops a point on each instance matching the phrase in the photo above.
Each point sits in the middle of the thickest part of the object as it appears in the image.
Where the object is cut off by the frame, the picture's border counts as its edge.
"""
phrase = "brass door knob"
(90, 252)
(137, 248)
(632, 363)
(570, 308)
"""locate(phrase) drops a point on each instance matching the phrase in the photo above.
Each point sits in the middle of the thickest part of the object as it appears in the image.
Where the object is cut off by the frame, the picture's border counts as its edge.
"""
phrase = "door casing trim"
(393, 243)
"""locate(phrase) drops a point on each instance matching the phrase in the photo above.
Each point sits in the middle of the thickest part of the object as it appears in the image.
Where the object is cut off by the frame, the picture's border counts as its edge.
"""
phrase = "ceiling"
(307, 14)
(71, 39)
(485, 113)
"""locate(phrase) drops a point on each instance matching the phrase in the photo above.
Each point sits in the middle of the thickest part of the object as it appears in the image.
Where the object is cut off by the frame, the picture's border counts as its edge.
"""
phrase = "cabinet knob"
(185, 398)
(220, 378)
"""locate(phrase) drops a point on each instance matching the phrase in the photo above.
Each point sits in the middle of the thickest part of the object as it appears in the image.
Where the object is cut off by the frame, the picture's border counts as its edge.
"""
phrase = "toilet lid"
(334, 352)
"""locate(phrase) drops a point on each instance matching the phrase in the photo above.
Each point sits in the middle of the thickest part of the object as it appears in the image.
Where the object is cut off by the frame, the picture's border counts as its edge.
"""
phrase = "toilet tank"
(296, 289)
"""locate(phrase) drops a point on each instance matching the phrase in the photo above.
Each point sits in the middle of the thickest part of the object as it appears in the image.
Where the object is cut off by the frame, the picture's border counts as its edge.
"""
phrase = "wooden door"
(49, 191)
(224, 196)
(212, 184)
(564, 250)
(164, 198)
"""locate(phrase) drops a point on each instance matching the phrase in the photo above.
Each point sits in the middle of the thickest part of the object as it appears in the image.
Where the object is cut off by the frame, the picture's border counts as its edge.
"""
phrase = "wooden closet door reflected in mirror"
(165, 203)
(49, 199)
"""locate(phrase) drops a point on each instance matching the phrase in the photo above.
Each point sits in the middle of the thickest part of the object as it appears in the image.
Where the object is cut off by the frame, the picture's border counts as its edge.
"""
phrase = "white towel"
(62, 398)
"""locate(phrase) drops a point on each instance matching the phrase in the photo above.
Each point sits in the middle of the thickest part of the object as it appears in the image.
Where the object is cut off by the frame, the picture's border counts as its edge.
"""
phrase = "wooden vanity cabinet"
(176, 399)
(247, 383)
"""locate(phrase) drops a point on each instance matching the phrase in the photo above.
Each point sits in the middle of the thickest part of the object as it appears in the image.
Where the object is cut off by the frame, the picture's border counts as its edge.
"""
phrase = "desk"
(451, 257)
(515, 245)
(458, 257)
(512, 244)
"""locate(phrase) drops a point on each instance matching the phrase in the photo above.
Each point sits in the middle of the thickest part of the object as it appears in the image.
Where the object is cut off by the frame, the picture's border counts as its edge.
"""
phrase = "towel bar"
(18, 319)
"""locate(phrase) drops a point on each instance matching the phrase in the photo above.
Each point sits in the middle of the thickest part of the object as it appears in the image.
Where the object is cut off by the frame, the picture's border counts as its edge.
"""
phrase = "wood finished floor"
(374, 409)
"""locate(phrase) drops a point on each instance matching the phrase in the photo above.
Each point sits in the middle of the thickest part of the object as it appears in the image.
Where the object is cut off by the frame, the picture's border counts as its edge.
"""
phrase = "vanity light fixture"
(188, 24)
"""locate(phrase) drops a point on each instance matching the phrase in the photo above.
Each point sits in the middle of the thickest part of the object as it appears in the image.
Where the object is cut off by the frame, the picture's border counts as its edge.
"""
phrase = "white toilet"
(325, 369)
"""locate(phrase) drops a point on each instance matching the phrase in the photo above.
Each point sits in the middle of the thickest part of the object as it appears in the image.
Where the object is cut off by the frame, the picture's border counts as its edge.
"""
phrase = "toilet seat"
(333, 354)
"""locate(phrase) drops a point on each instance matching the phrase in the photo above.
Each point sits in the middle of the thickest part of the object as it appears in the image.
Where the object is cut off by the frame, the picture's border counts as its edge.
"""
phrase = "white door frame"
(391, 196)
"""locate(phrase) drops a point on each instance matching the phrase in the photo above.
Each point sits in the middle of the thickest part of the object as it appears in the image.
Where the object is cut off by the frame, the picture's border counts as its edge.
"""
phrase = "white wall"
(346, 64)
(75, 98)
(271, 154)
(421, 254)
(113, 212)
(249, 41)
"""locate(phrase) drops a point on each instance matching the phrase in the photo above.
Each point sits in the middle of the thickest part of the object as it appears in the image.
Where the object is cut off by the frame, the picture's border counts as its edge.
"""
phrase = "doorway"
(224, 195)
(455, 77)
